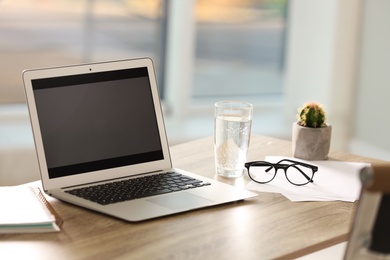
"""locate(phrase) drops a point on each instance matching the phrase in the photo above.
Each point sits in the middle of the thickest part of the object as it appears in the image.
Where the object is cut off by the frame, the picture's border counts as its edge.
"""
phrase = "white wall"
(321, 60)
(370, 135)
(338, 54)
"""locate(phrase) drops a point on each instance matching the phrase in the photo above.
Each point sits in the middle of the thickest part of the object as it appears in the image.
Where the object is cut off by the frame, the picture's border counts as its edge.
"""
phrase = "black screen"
(97, 121)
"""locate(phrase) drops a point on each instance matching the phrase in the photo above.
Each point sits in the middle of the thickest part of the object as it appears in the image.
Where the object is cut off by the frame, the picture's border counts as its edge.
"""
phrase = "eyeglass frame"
(278, 166)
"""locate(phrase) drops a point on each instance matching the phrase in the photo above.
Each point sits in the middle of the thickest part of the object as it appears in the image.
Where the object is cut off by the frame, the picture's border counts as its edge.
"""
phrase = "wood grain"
(266, 227)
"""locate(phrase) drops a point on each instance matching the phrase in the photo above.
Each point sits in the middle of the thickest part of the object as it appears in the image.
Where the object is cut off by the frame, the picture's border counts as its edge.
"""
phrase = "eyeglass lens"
(295, 173)
(299, 174)
(262, 172)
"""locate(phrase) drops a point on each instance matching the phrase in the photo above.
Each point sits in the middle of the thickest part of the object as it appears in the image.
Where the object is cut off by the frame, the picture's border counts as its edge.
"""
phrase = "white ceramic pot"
(311, 143)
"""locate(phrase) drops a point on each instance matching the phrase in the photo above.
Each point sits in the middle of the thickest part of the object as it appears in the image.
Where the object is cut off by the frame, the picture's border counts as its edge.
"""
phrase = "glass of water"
(232, 129)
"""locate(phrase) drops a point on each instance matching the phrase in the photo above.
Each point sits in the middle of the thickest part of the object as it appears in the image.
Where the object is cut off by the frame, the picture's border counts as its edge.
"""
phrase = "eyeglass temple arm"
(304, 174)
(248, 164)
(315, 168)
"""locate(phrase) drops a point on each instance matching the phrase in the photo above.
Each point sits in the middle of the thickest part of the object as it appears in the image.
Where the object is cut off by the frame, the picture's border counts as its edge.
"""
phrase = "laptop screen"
(97, 121)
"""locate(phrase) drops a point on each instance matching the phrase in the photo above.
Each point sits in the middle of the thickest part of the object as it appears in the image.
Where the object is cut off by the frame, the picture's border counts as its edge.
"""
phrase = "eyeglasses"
(297, 173)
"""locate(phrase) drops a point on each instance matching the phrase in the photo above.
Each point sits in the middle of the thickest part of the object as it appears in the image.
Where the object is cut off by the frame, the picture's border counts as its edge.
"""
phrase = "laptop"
(100, 124)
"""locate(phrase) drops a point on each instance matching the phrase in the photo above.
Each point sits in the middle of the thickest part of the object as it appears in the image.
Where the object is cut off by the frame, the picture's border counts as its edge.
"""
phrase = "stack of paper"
(334, 180)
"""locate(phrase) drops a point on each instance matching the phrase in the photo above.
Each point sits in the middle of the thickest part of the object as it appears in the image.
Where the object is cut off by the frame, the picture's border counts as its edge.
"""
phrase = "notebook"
(25, 210)
(94, 124)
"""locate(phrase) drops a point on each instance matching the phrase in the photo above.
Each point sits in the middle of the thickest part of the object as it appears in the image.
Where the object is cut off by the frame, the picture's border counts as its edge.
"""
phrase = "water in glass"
(232, 134)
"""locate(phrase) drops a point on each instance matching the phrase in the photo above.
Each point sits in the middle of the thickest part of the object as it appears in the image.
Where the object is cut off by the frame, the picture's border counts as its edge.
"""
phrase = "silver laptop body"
(101, 122)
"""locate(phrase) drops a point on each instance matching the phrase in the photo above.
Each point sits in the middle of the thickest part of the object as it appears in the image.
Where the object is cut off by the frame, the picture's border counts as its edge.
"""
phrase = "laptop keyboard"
(136, 188)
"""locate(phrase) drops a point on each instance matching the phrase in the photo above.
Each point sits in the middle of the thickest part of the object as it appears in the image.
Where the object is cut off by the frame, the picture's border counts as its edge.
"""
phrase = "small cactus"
(312, 114)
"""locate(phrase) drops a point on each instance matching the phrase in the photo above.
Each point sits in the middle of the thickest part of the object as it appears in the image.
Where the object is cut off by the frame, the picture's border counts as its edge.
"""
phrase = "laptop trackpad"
(181, 201)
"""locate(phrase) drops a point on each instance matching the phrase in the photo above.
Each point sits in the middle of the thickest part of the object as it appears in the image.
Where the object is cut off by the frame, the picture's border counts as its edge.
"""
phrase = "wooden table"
(269, 226)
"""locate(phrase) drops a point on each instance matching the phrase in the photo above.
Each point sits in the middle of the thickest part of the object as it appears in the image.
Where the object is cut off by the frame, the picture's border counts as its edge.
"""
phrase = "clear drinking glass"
(232, 129)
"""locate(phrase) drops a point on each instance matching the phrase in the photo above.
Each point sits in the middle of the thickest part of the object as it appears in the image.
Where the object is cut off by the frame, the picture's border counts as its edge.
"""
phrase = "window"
(61, 32)
(231, 49)
(239, 48)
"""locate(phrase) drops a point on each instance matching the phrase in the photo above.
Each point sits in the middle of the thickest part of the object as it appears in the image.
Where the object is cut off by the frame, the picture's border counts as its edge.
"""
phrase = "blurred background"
(276, 54)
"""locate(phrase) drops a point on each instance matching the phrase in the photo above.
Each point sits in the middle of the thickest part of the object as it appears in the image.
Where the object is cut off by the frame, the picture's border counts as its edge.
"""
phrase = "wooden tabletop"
(266, 227)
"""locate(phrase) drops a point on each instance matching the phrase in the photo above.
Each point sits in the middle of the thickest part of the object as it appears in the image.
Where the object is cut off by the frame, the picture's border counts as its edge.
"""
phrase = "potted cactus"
(311, 135)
